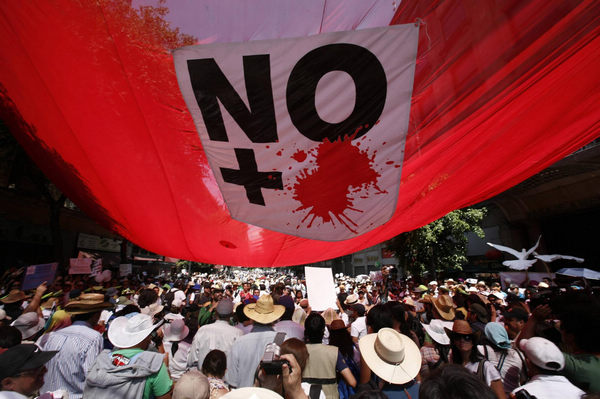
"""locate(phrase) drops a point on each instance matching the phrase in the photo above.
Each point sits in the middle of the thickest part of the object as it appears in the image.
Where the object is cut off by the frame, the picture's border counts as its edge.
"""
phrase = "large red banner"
(501, 91)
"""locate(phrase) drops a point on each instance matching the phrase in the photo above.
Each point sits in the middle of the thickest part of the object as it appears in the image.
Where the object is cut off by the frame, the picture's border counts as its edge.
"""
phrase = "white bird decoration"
(522, 263)
(552, 258)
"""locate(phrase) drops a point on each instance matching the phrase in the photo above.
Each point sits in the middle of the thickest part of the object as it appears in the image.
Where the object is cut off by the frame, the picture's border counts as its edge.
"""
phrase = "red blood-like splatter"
(389, 162)
(278, 153)
(299, 156)
(328, 190)
(227, 244)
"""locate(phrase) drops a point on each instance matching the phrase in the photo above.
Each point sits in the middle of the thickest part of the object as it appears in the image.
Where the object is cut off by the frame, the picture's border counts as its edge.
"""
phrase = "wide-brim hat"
(408, 301)
(28, 324)
(175, 331)
(351, 299)
(394, 357)
(461, 327)
(445, 306)
(130, 330)
(15, 296)
(152, 309)
(436, 331)
(264, 311)
(49, 303)
(87, 303)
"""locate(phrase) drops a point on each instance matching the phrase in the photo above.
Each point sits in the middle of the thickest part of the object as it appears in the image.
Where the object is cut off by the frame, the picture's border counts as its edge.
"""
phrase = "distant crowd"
(239, 333)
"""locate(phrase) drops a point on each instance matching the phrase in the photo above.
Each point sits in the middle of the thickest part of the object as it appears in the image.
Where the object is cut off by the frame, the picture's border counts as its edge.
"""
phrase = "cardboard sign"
(80, 266)
(320, 288)
(125, 269)
(305, 136)
(37, 274)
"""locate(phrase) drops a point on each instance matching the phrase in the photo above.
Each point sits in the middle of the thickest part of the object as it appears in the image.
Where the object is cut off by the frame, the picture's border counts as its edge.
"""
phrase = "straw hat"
(15, 295)
(461, 327)
(87, 303)
(264, 311)
(130, 330)
(445, 306)
(408, 301)
(351, 299)
(394, 357)
(436, 331)
(175, 331)
(152, 309)
(329, 315)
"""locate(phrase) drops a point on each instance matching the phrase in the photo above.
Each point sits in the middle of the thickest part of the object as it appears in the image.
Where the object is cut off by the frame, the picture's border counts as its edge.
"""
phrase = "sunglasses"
(466, 338)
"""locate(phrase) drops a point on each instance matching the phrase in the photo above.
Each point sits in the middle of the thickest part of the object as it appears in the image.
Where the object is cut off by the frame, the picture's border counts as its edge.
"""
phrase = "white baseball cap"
(543, 353)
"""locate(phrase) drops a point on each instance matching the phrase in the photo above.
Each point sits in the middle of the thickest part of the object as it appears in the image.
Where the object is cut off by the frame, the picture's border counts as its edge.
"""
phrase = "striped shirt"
(78, 347)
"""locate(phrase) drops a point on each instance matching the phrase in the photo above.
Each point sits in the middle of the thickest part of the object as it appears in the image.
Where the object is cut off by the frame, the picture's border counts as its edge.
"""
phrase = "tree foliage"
(440, 245)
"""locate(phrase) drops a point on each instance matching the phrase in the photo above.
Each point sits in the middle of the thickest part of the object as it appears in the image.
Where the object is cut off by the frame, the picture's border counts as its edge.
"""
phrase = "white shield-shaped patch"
(305, 136)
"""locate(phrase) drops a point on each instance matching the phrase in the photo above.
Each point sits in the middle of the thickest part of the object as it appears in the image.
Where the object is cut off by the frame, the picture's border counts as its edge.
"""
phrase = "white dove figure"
(522, 263)
(552, 258)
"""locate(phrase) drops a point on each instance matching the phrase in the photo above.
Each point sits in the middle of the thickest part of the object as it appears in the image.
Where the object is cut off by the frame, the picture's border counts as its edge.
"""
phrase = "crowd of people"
(253, 333)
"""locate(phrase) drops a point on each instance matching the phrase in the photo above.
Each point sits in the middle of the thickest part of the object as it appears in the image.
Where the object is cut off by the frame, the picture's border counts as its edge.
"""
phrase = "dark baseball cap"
(21, 358)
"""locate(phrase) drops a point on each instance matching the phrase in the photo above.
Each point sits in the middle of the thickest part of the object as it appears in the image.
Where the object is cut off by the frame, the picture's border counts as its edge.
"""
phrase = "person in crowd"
(509, 361)
(544, 363)
(30, 325)
(78, 344)
(341, 338)
(286, 324)
(379, 317)
(9, 337)
(248, 349)
(443, 307)
(463, 342)
(192, 385)
(174, 334)
(214, 367)
(436, 347)
(22, 370)
(358, 328)
(324, 361)
(478, 316)
(297, 348)
(130, 370)
(452, 381)
(514, 321)
(242, 321)
(218, 335)
(394, 360)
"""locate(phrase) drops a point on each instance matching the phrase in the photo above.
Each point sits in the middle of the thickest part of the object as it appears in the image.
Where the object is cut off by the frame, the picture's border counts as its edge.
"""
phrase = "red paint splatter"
(227, 244)
(327, 190)
(389, 162)
(383, 143)
(278, 153)
(299, 156)
(396, 166)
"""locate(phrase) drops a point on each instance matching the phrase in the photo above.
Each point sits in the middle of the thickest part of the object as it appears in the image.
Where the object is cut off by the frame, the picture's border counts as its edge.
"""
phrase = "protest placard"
(37, 274)
(320, 288)
(80, 266)
(125, 269)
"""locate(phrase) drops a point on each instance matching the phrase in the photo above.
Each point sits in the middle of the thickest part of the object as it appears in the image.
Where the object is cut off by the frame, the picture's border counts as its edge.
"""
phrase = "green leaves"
(440, 245)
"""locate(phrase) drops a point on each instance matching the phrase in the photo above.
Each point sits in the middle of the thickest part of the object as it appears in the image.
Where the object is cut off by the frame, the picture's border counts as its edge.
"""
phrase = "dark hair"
(215, 363)
(239, 313)
(452, 381)
(581, 318)
(10, 336)
(297, 348)
(379, 317)
(127, 310)
(343, 340)
(314, 328)
(368, 393)
(400, 315)
(147, 297)
(475, 356)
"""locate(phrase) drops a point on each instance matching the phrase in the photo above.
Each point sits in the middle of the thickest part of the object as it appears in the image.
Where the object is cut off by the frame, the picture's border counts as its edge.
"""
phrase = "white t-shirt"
(306, 388)
(359, 327)
(490, 372)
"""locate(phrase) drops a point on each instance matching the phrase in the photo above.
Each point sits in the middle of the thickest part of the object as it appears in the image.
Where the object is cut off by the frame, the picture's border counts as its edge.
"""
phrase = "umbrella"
(580, 272)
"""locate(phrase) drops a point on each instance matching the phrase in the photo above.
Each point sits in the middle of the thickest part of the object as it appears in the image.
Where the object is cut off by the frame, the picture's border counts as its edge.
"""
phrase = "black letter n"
(209, 83)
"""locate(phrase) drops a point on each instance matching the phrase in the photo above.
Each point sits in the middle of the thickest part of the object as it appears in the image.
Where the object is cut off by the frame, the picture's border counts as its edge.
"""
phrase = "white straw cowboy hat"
(175, 331)
(264, 311)
(436, 331)
(130, 330)
(394, 357)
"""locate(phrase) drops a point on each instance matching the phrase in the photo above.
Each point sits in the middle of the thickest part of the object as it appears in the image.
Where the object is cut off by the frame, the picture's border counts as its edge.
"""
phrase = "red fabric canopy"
(501, 91)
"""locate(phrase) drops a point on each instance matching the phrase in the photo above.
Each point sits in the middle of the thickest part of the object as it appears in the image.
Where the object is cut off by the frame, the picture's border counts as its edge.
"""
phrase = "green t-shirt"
(583, 371)
(157, 384)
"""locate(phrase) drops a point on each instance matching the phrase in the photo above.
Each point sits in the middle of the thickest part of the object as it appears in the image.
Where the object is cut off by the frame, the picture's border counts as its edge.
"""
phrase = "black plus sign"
(249, 176)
